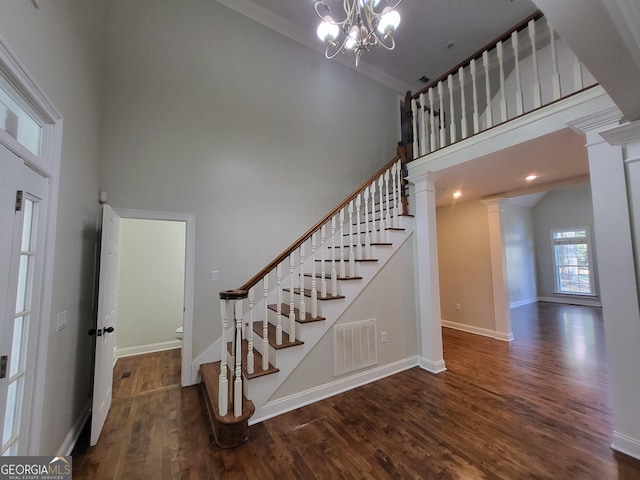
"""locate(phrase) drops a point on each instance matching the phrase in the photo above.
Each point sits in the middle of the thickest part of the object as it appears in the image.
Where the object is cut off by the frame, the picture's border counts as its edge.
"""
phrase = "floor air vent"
(354, 346)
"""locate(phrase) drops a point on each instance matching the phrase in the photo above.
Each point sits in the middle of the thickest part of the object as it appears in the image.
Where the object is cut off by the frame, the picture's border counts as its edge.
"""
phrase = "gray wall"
(208, 112)
(61, 45)
(519, 244)
(565, 208)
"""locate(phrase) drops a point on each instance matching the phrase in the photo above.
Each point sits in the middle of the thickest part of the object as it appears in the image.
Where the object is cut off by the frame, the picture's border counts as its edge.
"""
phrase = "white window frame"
(592, 274)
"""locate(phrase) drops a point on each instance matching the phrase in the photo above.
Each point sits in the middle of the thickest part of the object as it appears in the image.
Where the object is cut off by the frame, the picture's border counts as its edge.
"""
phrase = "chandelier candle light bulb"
(361, 29)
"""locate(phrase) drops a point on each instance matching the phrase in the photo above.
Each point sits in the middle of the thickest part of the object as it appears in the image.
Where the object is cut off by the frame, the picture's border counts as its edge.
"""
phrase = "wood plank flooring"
(536, 408)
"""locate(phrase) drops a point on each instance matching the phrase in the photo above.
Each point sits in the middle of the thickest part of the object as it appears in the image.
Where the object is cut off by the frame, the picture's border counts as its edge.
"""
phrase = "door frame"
(47, 164)
(189, 277)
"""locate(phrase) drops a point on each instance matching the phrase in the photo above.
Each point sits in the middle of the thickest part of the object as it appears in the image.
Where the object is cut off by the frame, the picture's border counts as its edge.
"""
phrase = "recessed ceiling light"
(451, 44)
(530, 178)
(424, 79)
(457, 194)
(513, 1)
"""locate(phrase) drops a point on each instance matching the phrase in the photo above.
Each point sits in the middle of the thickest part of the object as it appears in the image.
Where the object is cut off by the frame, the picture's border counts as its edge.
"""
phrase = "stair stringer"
(261, 389)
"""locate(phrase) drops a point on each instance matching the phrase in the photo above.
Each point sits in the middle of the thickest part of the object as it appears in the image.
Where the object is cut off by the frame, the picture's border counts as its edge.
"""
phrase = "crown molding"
(622, 135)
(275, 22)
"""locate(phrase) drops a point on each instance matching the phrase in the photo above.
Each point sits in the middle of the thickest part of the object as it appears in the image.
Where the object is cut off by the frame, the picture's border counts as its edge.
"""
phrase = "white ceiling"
(426, 28)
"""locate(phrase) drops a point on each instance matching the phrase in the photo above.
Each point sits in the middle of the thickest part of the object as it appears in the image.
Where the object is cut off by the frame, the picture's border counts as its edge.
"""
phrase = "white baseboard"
(149, 348)
(72, 437)
(485, 332)
(577, 300)
(520, 303)
(431, 366)
(627, 445)
(315, 394)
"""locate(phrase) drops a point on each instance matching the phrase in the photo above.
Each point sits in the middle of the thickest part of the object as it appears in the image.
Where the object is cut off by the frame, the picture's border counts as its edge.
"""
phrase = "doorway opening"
(155, 285)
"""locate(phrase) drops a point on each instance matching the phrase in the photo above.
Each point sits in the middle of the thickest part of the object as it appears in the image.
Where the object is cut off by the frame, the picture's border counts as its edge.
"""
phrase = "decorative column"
(499, 281)
(613, 188)
(428, 285)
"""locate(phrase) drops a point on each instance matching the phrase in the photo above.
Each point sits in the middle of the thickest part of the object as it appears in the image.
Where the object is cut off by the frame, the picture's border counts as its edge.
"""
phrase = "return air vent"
(354, 346)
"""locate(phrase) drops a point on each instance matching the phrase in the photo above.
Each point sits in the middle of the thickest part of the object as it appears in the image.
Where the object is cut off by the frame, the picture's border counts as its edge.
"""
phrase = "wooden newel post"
(408, 124)
(232, 301)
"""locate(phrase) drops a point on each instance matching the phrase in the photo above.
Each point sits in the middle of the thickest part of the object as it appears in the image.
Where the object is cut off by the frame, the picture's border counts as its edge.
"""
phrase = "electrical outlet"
(383, 337)
(215, 275)
(458, 306)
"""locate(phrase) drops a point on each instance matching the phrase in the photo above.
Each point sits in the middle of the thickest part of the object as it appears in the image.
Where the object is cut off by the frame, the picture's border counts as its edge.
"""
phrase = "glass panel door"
(20, 324)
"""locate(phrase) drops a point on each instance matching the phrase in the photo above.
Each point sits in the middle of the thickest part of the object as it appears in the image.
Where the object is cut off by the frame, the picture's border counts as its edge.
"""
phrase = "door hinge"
(3, 366)
(19, 195)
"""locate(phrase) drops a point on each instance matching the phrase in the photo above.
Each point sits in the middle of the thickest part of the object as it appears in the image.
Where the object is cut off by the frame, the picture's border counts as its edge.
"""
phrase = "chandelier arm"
(340, 48)
(321, 4)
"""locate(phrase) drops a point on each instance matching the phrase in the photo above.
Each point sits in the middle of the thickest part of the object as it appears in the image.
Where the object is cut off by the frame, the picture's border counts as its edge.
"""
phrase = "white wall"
(150, 298)
(465, 264)
(396, 315)
(210, 113)
(61, 45)
(517, 221)
(569, 207)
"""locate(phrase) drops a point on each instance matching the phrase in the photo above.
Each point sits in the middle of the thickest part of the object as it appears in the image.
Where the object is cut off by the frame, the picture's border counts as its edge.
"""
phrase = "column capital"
(494, 204)
(424, 180)
(622, 135)
(591, 125)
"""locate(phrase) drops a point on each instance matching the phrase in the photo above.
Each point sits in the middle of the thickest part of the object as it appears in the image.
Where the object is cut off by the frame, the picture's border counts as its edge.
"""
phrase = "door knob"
(109, 330)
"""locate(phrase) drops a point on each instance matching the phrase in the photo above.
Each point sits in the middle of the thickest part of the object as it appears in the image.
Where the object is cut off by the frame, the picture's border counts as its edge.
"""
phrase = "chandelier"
(362, 28)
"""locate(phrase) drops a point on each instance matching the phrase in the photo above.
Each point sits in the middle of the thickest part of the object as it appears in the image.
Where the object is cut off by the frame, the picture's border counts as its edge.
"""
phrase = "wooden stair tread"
(257, 328)
(285, 309)
(307, 292)
(257, 362)
(339, 278)
(210, 375)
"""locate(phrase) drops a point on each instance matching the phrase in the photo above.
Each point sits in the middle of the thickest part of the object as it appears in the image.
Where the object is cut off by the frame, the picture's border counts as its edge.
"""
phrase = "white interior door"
(23, 207)
(105, 338)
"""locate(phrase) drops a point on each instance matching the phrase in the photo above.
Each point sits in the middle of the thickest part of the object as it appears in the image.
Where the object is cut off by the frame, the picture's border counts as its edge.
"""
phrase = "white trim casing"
(149, 348)
(625, 444)
(485, 332)
(70, 440)
(189, 277)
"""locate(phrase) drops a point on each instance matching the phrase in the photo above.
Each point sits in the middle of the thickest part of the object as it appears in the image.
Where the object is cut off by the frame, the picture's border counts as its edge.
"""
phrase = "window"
(572, 261)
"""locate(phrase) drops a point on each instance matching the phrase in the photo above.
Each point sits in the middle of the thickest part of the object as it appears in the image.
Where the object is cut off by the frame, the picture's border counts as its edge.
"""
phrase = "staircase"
(328, 267)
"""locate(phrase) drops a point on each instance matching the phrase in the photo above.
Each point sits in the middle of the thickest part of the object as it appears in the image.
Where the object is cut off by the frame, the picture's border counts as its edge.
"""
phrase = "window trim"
(592, 272)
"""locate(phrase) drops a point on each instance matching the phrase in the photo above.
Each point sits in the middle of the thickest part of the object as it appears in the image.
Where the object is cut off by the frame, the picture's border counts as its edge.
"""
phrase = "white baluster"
(383, 227)
(443, 133)
(265, 324)
(503, 95)
(394, 173)
(237, 384)
(223, 382)
(399, 178)
(537, 93)
(424, 146)
(555, 76)
(279, 305)
(314, 289)
(516, 57)
(578, 81)
(358, 228)
(474, 90)
(352, 255)
(250, 359)
(452, 123)
(416, 133)
(292, 300)
(487, 89)
(367, 235)
(387, 221)
(302, 309)
(433, 137)
(323, 274)
(334, 275)
(374, 230)
(342, 266)
(463, 103)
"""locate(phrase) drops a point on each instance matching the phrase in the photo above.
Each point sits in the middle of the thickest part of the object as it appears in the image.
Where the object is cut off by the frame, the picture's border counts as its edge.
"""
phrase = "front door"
(23, 197)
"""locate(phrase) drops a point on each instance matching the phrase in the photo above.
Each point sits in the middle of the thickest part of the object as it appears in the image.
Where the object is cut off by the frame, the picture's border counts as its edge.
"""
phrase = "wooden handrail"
(478, 54)
(243, 291)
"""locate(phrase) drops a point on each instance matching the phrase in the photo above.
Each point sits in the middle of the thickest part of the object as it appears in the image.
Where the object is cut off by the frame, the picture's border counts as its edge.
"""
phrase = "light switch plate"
(61, 321)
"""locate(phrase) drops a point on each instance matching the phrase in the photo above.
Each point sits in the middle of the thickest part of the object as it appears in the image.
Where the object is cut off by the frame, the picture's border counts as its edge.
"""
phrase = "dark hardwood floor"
(536, 408)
